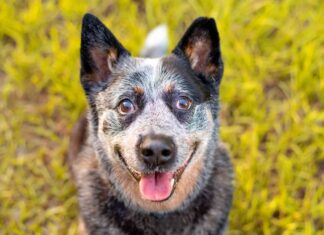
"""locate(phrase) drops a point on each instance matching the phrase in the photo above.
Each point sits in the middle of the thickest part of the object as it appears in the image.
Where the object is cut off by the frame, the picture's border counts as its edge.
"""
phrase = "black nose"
(156, 150)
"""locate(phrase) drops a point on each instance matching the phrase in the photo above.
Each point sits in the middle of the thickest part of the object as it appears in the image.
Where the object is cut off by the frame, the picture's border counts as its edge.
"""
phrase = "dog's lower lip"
(137, 175)
(176, 174)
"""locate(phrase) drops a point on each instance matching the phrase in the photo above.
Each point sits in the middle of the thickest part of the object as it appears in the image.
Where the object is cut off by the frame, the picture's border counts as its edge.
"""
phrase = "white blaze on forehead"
(153, 63)
(152, 68)
(157, 78)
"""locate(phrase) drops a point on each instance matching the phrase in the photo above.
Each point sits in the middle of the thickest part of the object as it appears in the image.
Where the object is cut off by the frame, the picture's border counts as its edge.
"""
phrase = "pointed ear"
(200, 47)
(100, 52)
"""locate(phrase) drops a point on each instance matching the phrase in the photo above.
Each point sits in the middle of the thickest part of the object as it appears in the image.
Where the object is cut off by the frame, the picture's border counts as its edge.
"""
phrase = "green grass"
(272, 106)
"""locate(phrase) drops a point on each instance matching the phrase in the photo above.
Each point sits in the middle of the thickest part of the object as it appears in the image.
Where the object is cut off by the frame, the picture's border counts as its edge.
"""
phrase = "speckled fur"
(109, 197)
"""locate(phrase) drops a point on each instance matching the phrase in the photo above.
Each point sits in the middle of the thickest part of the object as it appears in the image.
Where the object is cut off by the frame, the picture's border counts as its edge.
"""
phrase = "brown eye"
(183, 103)
(126, 106)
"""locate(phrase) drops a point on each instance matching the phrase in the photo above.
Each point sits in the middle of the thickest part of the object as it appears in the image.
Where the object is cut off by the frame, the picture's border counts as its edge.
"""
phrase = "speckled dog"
(147, 159)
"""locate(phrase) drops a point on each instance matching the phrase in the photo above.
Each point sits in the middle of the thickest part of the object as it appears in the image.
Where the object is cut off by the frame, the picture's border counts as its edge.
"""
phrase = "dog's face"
(154, 121)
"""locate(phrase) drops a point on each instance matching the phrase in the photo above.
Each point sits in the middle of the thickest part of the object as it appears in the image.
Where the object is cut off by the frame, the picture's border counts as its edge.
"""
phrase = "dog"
(147, 159)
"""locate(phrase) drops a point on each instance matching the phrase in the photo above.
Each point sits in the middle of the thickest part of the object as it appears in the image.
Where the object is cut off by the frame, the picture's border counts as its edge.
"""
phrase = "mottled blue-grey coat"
(129, 98)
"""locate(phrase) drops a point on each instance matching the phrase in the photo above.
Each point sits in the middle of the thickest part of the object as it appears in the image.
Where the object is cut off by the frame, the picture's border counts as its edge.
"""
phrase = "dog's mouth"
(157, 186)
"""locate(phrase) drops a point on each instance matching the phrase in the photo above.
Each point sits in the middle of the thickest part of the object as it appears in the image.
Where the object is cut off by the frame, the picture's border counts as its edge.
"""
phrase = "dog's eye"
(126, 106)
(183, 103)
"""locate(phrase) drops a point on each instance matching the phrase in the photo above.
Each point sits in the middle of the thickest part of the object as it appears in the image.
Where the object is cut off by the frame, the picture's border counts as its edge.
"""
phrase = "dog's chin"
(157, 186)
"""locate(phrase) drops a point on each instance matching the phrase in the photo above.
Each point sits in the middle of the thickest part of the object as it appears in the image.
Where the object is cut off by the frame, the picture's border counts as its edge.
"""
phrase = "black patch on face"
(196, 85)
(116, 122)
(187, 84)
(170, 99)
(138, 102)
(127, 85)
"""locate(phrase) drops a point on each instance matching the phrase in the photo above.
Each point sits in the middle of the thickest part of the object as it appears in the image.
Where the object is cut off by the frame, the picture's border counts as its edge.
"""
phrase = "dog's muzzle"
(157, 185)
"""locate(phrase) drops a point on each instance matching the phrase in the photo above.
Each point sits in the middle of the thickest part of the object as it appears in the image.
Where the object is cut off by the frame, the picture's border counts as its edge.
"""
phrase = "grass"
(272, 106)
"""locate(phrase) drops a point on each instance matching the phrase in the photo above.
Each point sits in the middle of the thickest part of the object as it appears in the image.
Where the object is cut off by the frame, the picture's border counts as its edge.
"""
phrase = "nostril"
(147, 152)
(166, 152)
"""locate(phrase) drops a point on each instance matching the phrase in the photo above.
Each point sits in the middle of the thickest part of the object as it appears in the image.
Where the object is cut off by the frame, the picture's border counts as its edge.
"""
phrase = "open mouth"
(157, 186)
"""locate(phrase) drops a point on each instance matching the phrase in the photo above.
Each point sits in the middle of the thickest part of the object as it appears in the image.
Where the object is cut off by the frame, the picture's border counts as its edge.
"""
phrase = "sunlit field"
(272, 113)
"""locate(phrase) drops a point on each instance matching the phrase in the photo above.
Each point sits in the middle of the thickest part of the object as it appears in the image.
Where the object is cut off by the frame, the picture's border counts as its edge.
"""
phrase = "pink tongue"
(156, 186)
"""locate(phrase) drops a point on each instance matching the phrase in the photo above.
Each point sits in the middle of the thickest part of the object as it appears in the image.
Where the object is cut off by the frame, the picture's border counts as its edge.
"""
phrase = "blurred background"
(272, 112)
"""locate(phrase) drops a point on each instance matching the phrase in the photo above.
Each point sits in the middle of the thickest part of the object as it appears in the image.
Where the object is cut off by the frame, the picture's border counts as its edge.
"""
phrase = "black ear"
(100, 52)
(200, 46)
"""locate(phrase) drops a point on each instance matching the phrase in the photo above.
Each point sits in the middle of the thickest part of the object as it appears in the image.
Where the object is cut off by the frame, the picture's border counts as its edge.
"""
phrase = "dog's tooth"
(172, 182)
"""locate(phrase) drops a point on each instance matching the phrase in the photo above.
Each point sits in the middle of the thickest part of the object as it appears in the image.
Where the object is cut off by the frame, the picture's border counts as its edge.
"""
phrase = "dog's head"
(153, 121)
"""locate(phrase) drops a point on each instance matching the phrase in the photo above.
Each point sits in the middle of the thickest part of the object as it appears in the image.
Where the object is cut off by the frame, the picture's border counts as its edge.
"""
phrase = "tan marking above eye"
(138, 90)
(169, 87)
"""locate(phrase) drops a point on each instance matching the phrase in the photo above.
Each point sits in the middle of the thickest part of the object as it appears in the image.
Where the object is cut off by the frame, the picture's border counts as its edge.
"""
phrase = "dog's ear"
(100, 52)
(200, 46)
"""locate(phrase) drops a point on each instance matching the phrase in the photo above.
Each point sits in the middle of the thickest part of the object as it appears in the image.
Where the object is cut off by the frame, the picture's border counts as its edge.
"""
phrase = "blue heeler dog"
(148, 159)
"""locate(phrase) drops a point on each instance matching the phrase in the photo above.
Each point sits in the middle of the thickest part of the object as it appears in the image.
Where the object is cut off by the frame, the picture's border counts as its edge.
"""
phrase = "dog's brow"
(169, 87)
(139, 90)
